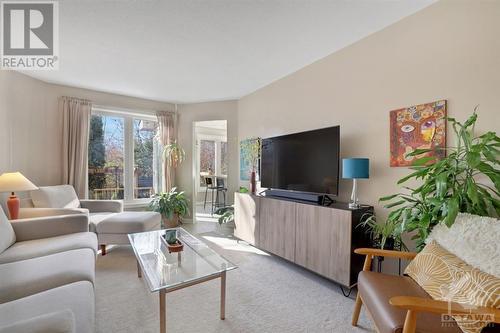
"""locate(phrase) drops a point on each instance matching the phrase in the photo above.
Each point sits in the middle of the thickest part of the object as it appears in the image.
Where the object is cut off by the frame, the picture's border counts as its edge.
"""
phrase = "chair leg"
(103, 249)
(213, 202)
(357, 310)
(224, 194)
(410, 322)
(205, 201)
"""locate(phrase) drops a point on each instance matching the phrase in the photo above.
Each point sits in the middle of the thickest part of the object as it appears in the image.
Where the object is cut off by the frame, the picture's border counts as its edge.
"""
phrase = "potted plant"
(173, 243)
(174, 154)
(172, 206)
(386, 235)
(451, 185)
(251, 149)
(226, 214)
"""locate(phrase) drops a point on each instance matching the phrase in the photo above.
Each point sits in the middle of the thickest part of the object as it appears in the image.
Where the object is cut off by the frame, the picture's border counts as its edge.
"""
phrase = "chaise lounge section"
(106, 217)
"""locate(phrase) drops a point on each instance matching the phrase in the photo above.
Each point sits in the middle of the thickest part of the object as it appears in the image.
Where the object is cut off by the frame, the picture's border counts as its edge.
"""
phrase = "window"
(124, 156)
(207, 159)
(106, 157)
(212, 158)
(144, 153)
(223, 158)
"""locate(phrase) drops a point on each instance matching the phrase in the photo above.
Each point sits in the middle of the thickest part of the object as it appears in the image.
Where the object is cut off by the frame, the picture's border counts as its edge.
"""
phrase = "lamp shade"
(355, 168)
(15, 182)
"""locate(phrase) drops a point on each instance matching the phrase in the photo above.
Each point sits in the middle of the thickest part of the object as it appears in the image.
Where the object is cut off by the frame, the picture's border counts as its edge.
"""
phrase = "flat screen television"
(305, 162)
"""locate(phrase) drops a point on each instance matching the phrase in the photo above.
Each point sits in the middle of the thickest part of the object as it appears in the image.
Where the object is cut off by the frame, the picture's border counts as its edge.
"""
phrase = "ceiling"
(190, 51)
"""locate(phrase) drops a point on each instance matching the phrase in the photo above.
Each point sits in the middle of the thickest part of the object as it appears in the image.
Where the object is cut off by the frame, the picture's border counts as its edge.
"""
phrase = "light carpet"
(265, 294)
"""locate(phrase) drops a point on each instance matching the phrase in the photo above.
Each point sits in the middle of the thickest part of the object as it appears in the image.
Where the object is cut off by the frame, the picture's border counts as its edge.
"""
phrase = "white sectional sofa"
(106, 217)
(47, 270)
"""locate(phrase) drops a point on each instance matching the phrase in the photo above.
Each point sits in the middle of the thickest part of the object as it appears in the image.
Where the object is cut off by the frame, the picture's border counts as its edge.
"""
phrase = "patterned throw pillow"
(446, 277)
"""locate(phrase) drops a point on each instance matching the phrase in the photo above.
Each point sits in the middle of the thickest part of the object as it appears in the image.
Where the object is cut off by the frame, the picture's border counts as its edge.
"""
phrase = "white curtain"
(76, 122)
(167, 134)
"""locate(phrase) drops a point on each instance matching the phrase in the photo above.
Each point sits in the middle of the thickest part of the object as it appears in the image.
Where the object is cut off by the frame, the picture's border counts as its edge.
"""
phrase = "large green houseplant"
(172, 206)
(456, 183)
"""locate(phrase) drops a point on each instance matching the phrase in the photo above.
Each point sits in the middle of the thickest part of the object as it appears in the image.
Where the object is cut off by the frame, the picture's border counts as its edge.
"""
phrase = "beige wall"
(450, 50)
(31, 126)
(190, 113)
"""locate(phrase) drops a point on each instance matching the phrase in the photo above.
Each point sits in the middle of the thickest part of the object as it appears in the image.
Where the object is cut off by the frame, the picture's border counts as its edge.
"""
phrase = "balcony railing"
(118, 193)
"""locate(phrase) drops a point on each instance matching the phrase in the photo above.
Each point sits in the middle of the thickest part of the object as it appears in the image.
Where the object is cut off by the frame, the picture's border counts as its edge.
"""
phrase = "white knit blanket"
(474, 239)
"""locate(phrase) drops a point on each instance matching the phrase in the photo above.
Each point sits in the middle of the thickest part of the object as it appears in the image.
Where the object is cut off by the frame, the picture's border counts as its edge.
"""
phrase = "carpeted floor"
(264, 295)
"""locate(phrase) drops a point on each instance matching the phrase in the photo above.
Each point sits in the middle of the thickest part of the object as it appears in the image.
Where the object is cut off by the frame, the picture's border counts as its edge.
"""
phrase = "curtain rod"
(120, 110)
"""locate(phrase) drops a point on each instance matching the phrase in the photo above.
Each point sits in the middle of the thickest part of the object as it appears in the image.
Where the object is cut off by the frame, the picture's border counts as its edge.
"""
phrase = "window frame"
(128, 150)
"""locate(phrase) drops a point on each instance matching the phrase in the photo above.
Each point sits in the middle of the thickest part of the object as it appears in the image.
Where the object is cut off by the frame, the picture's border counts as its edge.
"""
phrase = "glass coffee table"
(166, 272)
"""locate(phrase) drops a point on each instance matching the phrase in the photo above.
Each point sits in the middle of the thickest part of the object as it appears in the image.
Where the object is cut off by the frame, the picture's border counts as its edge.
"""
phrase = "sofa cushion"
(55, 322)
(77, 297)
(96, 218)
(31, 276)
(472, 238)
(444, 276)
(7, 235)
(376, 289)
(46, 246)
(60, 196)
(129, 222)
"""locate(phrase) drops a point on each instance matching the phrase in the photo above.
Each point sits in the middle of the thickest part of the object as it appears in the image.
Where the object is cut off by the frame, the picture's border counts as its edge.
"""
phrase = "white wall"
(450, 50)
(191, 113)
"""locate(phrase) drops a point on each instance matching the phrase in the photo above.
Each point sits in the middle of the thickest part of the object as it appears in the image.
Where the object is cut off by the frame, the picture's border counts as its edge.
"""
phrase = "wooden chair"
(399, 313)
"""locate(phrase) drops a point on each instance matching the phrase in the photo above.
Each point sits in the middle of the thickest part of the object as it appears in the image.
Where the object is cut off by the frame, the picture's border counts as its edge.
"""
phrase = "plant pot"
(389, 245)
(253, 182)
(177, 247)
(171, 223)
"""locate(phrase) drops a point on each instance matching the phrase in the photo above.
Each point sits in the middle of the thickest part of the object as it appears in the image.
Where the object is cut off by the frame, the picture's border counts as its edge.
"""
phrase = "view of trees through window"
(144, 134)
(107, 157)
(207, 159)
(223, 158)
(213, 159)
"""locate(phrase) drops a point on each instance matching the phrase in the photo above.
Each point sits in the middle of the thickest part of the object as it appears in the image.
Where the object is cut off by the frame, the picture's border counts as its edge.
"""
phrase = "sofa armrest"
(56, 322)
(50, 226)
(102, 206)
(386, 253)
(29, 213)
(370, 253)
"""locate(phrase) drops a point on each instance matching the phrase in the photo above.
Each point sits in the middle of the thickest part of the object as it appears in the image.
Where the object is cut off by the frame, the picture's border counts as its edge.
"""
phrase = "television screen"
(305, 162)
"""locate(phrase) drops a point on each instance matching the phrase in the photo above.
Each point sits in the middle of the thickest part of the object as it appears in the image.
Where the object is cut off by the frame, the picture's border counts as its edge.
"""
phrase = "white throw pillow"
(60, 196)
(474, 239)
(7, 235)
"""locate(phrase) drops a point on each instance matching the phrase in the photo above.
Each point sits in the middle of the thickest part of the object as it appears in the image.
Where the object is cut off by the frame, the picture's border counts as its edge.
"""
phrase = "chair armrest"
(386, 253)
(102, 206)
(29, 213)
(56, 322)
(419, 304)
(50, 226)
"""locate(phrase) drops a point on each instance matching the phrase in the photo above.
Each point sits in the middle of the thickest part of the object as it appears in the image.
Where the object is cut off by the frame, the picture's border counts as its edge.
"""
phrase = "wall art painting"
(418, 127)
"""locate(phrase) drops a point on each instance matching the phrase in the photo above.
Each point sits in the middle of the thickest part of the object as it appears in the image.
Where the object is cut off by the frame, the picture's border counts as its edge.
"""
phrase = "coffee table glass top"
(164, 270)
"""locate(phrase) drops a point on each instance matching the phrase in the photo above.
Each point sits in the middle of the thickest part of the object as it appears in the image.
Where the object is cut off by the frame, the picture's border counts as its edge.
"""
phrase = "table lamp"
(355, 168)
(15, 182)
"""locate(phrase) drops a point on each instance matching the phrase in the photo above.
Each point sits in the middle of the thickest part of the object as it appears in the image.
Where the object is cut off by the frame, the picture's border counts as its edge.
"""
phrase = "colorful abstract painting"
(417, 127)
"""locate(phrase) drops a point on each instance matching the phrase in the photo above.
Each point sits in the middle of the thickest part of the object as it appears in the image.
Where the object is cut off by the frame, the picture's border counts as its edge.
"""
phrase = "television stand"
(320, 199)
(319, 238)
